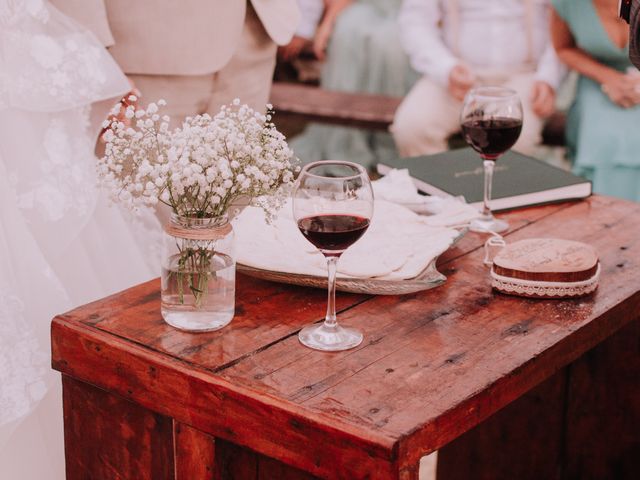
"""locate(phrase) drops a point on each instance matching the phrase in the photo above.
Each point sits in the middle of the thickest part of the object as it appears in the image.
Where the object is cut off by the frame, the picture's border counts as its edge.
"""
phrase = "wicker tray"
(428, 278)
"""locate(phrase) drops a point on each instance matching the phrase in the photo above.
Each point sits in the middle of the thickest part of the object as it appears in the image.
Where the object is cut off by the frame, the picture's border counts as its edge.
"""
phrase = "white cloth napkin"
(398, 245)
(398, 187)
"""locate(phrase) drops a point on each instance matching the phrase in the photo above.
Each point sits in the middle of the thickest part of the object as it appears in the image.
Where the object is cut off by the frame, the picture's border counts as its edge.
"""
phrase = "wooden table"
(504, 387)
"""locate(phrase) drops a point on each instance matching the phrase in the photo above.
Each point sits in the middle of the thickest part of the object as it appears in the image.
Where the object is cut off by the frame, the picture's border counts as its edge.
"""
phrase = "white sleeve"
(422, 39)
(550, 69)
(310, 14)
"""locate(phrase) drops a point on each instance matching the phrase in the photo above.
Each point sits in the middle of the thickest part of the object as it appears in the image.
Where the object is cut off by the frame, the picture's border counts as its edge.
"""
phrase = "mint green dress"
(603, 139)
(364, 55)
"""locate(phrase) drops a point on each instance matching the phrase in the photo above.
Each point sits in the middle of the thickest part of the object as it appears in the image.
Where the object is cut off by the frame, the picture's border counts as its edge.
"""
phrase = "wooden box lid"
(546, 267)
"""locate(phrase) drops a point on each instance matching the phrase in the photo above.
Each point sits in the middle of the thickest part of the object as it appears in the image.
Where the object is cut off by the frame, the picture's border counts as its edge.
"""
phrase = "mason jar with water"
(198, 273)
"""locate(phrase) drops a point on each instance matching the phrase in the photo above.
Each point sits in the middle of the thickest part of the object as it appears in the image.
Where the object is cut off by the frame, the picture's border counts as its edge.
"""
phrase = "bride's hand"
(131, 98)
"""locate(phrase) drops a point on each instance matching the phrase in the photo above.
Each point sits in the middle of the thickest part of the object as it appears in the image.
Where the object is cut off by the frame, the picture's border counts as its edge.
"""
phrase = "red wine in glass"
(491, 137)
(332, 206)
(333, 234)
(491, 122)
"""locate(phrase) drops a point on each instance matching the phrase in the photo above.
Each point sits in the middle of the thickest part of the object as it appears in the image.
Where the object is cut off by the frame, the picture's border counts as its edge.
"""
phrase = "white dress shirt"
(310, 15)
(486, 35)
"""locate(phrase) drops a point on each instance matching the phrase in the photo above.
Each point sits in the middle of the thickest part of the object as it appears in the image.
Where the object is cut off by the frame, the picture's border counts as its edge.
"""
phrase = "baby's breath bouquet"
(199, 170)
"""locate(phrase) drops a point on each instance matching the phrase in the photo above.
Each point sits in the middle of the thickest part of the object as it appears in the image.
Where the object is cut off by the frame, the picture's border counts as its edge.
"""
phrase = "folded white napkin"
(398, 187)
(399, 243)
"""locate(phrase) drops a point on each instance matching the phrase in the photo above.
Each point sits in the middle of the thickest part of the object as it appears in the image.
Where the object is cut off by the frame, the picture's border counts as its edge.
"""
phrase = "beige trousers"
(247, 76)
(429, 115)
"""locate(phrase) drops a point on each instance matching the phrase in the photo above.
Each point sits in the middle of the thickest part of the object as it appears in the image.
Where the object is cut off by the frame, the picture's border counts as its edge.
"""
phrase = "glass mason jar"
(198, 273)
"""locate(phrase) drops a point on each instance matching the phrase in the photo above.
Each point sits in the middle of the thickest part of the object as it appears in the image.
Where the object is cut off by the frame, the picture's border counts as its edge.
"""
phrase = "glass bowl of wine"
(491, 122)
(333, 207)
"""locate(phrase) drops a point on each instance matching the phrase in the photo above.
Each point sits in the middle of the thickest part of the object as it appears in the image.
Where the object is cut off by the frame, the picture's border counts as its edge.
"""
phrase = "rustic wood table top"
(432, 365)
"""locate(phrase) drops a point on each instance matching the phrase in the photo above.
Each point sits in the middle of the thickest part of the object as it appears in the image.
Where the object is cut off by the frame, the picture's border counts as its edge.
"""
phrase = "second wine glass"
(491, 122)
(333, 206)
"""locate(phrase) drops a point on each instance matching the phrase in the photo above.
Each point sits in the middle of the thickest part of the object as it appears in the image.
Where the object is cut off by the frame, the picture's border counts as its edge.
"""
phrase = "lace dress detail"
(66, 184)
(59, 243)
(55, 64)
(24, 365)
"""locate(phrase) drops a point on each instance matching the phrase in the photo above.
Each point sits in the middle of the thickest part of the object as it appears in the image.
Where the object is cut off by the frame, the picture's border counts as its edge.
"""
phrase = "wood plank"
(194, 453)
(603, 410)
(524, 440)
(270, 469)
(581, 423)
(235, 463)
(109, 438)
(340, 108)
(135, 315)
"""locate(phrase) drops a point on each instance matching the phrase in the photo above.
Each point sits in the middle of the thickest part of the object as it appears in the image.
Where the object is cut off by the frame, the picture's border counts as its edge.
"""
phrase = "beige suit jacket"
(177, 37)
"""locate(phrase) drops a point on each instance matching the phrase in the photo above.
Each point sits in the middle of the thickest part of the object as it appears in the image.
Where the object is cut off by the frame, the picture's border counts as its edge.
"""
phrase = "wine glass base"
(488, 224)
(329, 339)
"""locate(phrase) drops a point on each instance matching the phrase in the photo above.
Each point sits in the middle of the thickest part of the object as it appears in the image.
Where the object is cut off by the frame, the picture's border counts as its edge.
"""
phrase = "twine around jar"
(215, 232)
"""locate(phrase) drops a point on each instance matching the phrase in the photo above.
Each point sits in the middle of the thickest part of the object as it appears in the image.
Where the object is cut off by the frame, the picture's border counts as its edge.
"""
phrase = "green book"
(518, 180)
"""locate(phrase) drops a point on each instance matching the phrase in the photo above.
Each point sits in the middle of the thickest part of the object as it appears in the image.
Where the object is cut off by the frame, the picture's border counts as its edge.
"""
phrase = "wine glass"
(491, 122)
(333, 206)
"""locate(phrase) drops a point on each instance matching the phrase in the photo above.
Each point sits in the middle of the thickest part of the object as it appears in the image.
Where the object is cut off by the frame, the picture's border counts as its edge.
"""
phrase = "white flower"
(201, 167)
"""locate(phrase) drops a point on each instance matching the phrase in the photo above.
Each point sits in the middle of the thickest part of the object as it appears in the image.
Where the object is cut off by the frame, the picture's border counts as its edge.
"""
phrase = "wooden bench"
(361, 110)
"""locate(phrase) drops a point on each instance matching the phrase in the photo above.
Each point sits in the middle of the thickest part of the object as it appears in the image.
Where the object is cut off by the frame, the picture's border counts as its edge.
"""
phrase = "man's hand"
(461, 79)
(293, 49)
(543, 99)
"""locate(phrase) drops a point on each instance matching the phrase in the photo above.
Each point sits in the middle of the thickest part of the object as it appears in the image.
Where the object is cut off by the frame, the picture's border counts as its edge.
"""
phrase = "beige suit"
(197, 54)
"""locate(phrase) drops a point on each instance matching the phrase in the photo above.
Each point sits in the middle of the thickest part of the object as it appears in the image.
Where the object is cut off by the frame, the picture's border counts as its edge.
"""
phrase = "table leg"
(583, 423)
(410, 473)
(108, 437)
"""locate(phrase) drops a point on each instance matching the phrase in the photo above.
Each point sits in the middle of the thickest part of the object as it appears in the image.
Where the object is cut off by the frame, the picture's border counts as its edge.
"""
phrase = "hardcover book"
(518, 180)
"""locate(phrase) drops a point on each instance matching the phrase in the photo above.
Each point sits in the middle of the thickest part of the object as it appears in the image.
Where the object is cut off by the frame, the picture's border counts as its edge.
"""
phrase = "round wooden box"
(546, 268)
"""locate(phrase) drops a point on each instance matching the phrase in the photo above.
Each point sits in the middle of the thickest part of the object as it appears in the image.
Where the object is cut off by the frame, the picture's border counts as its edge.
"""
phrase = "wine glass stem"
(488, 182)
(330, 320)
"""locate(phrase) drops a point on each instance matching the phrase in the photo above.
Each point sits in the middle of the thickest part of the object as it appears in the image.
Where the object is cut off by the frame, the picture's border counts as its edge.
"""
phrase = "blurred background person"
(360, 42)
(458, 44)
(311, 12)
(196, 54)
(602, 126)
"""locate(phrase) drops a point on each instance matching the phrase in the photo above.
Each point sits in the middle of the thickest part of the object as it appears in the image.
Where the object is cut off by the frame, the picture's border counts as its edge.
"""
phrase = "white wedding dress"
(61, 244)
